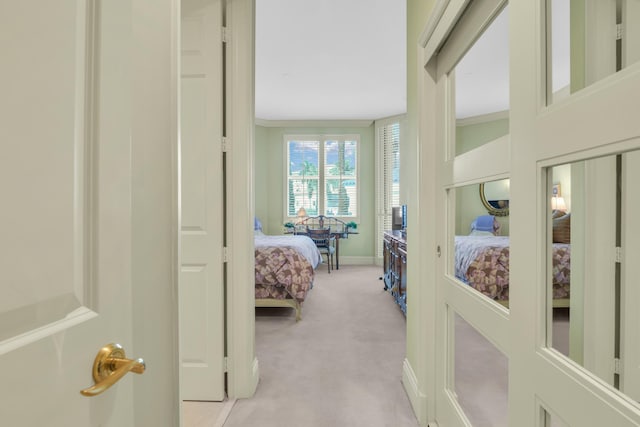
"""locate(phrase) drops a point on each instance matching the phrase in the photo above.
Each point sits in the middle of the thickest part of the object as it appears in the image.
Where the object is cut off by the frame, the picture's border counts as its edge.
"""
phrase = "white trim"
(313, 123)
(440, 24)
(472, 167)
(243, 370)
(255, 369)
(227, 406)
(432, 23)
(483, 118)
(416, 397)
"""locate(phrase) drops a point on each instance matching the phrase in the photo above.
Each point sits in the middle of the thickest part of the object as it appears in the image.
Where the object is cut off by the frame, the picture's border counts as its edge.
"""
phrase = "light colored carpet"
(340, 366)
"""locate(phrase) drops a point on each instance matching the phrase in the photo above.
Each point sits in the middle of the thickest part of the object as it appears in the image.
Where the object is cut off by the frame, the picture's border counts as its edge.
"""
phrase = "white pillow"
(480, 233)
(258, 233)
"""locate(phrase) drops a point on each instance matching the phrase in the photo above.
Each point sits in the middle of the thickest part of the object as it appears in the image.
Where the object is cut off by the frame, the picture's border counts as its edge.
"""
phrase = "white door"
(596, 119)
(201, 276)
(630, 292)
(82, 265)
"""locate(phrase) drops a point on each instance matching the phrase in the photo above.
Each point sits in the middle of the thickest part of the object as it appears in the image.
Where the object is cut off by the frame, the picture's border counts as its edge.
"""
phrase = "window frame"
(322, 140)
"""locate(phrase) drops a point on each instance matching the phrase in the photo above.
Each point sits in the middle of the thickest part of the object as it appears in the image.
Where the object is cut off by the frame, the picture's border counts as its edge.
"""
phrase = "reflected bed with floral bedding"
(482, 262)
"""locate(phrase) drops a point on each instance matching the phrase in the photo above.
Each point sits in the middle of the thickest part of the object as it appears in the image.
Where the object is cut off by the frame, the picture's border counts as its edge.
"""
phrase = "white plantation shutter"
(340, 178)
(303, 176)
(387, 176)
(322, 175)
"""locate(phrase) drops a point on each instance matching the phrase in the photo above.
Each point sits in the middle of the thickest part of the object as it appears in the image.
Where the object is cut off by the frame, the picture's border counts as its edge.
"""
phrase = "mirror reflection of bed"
(591, 208)
(482, 243)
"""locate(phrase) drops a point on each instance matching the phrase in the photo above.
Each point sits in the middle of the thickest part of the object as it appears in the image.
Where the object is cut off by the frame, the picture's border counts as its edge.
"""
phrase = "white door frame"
(202, 349)
(243, 364)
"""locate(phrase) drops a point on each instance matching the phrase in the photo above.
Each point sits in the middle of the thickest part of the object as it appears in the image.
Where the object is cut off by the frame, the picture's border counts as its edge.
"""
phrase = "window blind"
(303, 179)
(388, 177)
(322, 175)
(340, 177)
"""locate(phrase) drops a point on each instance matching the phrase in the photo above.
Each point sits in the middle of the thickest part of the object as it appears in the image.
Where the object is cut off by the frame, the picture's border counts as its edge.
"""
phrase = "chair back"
(320, 236)
(320, 222)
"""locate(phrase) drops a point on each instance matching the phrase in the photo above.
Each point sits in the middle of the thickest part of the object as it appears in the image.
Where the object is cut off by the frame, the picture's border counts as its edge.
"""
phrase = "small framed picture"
(555, 191)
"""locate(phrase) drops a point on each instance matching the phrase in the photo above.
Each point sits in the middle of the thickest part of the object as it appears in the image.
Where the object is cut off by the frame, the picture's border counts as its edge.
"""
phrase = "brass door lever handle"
(109, 366)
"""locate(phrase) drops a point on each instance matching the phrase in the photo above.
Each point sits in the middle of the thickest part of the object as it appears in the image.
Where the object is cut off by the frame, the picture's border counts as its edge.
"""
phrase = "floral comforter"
(483, 263)
(282, 272)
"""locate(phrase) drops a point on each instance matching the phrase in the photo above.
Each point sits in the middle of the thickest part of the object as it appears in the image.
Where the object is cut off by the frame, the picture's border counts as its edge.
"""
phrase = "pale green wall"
(270, 175)
(261, 175)
(468, 203)
(472, 136)
(469, 206)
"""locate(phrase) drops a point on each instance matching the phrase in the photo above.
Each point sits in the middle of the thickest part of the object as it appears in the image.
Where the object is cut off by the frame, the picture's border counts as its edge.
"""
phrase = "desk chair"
(325, 243)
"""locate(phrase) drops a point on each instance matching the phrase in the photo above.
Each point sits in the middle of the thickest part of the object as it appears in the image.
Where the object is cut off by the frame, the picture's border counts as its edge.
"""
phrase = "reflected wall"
(592, 290)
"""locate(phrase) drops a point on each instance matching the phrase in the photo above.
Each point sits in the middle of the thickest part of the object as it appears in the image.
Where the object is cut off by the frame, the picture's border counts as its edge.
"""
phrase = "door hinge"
(616, 366)
(225, 364)
(618, 254)
(226, 144)
(226, 35)
(225, 254)
(619, 31)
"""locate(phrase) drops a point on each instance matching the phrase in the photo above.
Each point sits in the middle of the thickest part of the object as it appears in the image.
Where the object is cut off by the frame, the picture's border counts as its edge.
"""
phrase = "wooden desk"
(338, 236)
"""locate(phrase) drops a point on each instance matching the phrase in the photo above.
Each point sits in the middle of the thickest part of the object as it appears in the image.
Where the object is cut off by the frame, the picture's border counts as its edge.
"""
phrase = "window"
(388, 175)
(322, 162)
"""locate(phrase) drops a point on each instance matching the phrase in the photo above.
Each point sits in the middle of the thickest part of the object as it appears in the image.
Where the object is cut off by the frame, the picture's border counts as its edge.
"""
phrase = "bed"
(482, 262)
(284, 270)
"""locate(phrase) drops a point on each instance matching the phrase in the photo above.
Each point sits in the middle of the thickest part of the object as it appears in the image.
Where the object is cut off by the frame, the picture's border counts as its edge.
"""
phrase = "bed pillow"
(562, 229)
(486, 223)
(257, 225)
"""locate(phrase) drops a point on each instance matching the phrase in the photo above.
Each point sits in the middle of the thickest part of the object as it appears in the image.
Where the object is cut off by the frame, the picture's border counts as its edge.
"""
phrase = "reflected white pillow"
(480, 233)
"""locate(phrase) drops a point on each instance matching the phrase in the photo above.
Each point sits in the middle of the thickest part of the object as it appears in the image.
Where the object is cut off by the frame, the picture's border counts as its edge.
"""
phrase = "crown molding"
(313, 123)
(483, 118)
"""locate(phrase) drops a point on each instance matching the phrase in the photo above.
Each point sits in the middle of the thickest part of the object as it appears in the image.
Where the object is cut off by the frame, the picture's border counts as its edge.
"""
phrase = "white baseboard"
(255, 374)
(418, 399)
(358, 260)
(224, 413)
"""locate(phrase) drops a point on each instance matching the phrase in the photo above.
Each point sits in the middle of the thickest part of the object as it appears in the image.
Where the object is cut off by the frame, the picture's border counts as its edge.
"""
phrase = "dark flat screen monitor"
(398, 214)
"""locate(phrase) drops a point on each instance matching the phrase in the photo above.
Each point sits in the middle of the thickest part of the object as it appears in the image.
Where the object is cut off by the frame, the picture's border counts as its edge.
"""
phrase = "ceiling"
(482, 75)
(330, 59)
